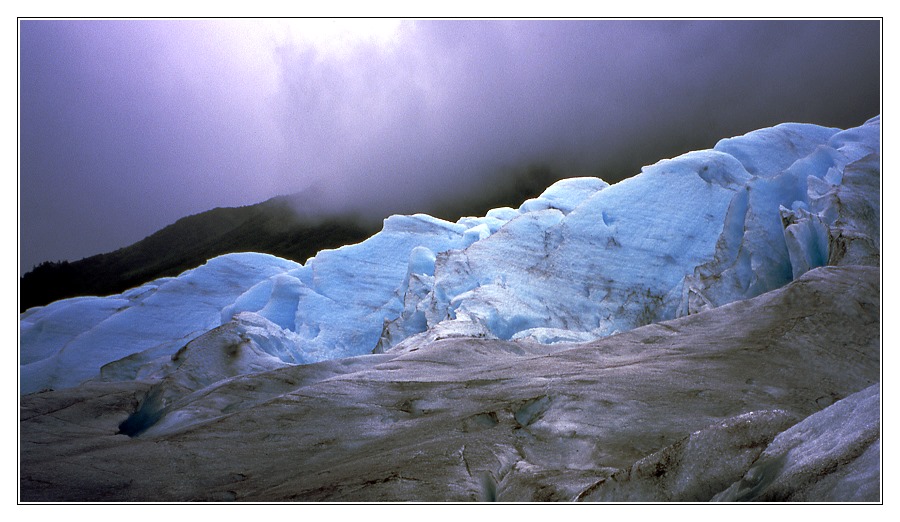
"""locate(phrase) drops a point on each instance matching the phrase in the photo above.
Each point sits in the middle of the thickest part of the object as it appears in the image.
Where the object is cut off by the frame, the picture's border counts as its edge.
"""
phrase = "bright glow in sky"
(341, 38)
(128, 125)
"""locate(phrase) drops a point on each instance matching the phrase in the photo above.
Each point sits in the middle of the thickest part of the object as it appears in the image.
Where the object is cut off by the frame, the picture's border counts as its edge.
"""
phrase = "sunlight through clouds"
(336, 38)
(128, 125)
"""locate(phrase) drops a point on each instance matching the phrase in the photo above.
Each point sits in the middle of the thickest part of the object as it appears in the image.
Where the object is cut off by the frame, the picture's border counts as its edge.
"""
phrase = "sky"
(126, 126)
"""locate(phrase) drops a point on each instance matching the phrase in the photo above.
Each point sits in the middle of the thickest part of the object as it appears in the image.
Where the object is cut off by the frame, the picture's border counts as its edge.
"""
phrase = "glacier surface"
(582, 261)
(708, 330)
(770, 398)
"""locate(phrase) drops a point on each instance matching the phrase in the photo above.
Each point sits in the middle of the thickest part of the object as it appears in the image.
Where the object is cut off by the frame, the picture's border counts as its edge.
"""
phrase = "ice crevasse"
(582, 261)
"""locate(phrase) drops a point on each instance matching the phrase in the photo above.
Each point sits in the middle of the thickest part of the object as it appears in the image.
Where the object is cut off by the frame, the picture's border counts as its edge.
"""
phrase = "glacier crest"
(582, 261)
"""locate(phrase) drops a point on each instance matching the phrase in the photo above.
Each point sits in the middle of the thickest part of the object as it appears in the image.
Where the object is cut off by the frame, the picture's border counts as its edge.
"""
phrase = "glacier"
(705, 331)
(582, 261)
(774, 398)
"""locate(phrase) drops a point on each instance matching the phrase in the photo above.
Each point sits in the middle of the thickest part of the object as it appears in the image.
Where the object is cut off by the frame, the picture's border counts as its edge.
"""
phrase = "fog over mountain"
(707, 330)
(128, 125)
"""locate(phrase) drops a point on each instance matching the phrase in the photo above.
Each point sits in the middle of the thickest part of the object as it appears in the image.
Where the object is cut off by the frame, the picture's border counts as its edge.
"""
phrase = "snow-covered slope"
(581, 262)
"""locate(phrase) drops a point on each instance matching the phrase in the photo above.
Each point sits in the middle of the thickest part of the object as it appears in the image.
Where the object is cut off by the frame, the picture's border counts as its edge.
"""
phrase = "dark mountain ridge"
(271, 227)
(278, 226)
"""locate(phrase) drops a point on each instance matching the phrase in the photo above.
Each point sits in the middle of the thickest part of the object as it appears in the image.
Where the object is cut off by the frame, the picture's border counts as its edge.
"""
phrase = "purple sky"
(126, 126)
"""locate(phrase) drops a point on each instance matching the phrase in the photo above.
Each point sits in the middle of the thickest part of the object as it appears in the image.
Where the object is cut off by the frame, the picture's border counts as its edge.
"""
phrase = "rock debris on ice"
(477, 360)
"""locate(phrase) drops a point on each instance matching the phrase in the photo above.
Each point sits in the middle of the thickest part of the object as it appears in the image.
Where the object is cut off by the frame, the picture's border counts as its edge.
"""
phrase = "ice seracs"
(582, 261)
(494, 376)
(687, 234)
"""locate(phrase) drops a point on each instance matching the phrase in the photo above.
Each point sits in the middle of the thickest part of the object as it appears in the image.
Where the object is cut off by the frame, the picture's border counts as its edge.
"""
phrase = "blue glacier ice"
(582, 261)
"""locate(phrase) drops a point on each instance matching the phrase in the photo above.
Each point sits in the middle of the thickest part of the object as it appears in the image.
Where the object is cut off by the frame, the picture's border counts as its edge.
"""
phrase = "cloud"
(128, 125)
(453, 102)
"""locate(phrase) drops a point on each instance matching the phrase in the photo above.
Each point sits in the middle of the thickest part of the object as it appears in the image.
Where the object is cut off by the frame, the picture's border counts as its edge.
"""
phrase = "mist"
(126, 126)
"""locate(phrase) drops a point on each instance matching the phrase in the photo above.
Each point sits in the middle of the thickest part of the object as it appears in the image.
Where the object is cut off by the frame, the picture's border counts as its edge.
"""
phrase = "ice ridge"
(582, 261)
